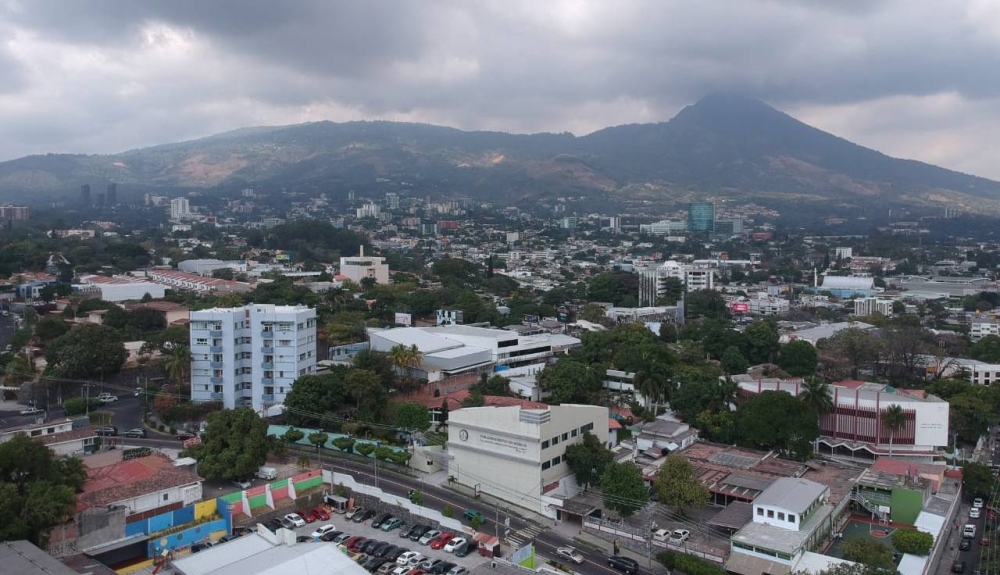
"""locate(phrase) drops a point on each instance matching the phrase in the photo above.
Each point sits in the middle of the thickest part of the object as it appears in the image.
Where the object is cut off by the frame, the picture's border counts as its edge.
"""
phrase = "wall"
(257, 496)
(906, 505)
(181, 539)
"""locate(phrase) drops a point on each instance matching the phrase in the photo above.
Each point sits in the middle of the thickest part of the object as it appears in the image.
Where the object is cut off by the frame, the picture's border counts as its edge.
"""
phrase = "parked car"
(409, 558)
(623, 564)
(331, 536)
(380, 519)
(570, 554)
(369, 546)
(340, 539)
(395, 553)
(401, 570)
(974, 513)
(442, 540)
(418, 531)
(134, 432)
(352, 512)
(307, 515)
(282, 522)
(354, 543)
(32, 410)
(380, 549)
(323, 530)
(428, 536)
(468, 547)
(106, 430)
(374, 563)
(242, 483)
(321, 513)
(364, 516)
(107, 398)
(679, 536)
(453, 544)
(296, 519)
(965, 545)
(385, 568)
(457, 570)
(429, 563)
(442, 568)
(361, 558)
(958, 567)
(404, 529)
(471, 514)
(184, 436)
(977, 502)
(391, 523)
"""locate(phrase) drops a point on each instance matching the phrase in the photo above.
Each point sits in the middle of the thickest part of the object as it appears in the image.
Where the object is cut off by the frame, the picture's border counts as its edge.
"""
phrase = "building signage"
(504, 442)
(550, 486)
(404, 319)
(530, 318)
(738, 307)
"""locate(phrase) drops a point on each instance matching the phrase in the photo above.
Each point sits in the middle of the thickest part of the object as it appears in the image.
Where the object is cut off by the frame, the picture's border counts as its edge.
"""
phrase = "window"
(545, 444)
(586, 428)
(545, 466)
(284, 342)
(166, 496)
(302, 371)
(563, 458)
(565, 436)
(555, 440)
(760, 511)
(791, 518)
(201, 341)
(770, 513)
(555, 461)
(781, 516)
(575, 432)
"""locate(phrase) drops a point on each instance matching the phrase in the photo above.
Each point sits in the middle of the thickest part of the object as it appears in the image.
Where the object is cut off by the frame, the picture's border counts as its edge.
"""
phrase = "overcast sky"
(913, 78)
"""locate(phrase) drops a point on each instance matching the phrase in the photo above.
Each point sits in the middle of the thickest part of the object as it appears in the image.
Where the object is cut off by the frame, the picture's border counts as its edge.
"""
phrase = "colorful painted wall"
(187, 537)
(257, 496)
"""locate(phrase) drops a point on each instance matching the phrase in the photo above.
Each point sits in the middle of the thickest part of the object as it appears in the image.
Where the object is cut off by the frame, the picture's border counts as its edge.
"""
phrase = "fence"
(379, 498)
(268, 495)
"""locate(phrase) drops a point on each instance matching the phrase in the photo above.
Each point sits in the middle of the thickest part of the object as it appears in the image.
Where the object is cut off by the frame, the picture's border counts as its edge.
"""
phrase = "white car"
(457, 570)
(679, 536)
(107, 398)
(427, 537)
(296, 519)
(570, 554)
(401, 570)
(32, 410)
(323, 530)
(977, 502)
(453, 544)
(409, 558)
(974, 513)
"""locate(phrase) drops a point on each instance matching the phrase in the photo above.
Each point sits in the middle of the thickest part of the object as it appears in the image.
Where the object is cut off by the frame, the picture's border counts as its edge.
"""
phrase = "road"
(976, 556)
(546, 539)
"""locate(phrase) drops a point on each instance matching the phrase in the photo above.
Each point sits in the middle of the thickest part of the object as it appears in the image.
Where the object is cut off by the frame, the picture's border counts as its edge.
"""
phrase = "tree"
(404, 358)
(592, 312)
(855, 346)
(652, 380)
(776, 420)
(370, 397)
(293, 435)
(473, 307)
(893, 419)
(314, 396)
(233, 445)
(38, 491)
(413, 416)
(588, 459)
(912, 541)
(986, 349)
(733, 361)
(624, 488)
(762, 342)
(378, 363)
(677, 484)
(970, 415)
(495, 384)
(569, 381)
(345, 444)
(798, 358)
(50, 327)
(177, 363)
(318, 439)
(87, 351)
(868, 552)
(706, 303)
(815, 394)
(977, 480)
(668, 332)
(673, 290)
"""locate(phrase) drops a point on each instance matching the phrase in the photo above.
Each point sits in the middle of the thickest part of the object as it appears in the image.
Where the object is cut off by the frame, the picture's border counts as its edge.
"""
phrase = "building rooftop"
(66, 436)
(132, 478)
(254, 555)
(24, 558)
(472, 331)
(792, 494)
(778, 538)
(848, 282)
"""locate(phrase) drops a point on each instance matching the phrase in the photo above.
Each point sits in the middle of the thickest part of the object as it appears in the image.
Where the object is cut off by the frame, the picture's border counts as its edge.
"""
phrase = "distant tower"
(350, 195)
(112, 196)
(85, 194)
(100, 200)
(701, 217)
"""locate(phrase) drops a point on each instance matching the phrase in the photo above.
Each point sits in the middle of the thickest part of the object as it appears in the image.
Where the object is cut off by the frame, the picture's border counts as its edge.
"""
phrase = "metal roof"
(791, 493)
(24, 558)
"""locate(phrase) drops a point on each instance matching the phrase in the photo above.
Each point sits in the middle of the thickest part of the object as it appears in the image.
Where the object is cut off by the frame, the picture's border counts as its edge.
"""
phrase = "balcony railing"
(216, 380)
(266, 381)
(267, 334)
(267, 365)
(216, 396)
(267, 397)
(216, 349)
(215, 333)
(269, 350)
(216, 364)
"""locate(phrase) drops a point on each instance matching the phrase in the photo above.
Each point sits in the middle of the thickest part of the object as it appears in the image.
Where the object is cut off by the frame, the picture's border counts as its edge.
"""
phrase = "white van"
(969, 531)
(267, 473)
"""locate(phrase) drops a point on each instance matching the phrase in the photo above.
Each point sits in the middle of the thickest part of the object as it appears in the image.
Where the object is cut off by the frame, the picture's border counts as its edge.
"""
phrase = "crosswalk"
(522, 536)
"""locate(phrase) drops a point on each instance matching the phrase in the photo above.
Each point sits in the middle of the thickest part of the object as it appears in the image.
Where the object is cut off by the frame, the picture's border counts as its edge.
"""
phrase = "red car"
(442, 540)
(307, 515)
(321, 513)
(354, 542)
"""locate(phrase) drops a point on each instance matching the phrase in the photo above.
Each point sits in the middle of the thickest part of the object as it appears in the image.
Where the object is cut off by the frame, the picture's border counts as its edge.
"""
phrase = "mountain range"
(723, 145)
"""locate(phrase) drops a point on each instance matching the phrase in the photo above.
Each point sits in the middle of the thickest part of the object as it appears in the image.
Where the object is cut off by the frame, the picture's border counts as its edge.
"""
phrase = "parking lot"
(365, 529)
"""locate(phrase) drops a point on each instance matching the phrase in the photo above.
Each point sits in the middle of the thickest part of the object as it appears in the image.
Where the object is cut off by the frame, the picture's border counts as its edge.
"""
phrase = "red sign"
(739, 307)
(550, 486)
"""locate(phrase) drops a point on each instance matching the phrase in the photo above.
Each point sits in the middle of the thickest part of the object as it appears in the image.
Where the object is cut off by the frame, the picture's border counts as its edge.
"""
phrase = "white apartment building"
(518, 454)
(982, 327)
(663, 228)
(361, 267)
(63, 436)
(249, 356)
(653, 281)
(768, 306)
(179, 208)
(369, 210)
(872, 305)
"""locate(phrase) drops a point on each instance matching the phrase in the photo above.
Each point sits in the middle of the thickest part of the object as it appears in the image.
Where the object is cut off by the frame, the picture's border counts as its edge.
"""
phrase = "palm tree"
(893, 419)
(724, 395)
(815, 394)
(651, 380)
(177, 363)
(404, 358)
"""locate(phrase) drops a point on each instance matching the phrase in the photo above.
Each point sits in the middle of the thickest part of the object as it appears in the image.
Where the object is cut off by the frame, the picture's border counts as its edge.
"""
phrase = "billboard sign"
(739, 307)
(404, 319)
(525, 556)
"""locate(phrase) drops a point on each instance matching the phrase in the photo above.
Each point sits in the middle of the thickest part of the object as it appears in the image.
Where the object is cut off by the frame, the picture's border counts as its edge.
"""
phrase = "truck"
(267, 473)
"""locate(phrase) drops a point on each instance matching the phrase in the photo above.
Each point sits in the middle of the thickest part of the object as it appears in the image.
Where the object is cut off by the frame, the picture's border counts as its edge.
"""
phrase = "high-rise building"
(250, 356)
(179, 208)
(361, 267)
(11, 213)
(392, 200)
(85, 194)
(701, 217)
(369, 210)
(112, 196)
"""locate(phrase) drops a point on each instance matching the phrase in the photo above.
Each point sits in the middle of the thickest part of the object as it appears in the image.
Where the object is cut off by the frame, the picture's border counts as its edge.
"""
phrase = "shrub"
(448, 511)
(78, 405)
(912, 541)
(365, 449)
(688, 564)
(173, 431)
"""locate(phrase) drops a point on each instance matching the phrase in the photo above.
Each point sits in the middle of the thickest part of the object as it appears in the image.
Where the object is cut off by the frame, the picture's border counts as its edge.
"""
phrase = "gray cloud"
(911, 77)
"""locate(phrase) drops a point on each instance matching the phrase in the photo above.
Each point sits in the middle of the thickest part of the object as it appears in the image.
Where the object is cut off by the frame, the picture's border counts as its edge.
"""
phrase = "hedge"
(688, 564)
(912, 541)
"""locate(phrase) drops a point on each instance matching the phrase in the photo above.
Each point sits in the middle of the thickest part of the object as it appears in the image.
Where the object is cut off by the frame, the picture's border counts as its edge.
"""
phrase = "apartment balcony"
(216, 396)
(267, 350)
(267, 334)
(216, 380)
(216, 349)
(267, 365)
(215, 333)
(267, 397)
(266, 381)
(216, 364)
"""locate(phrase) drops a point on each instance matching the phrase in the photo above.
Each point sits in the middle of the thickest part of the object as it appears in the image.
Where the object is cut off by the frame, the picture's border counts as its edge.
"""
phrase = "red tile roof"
(129, 479)
(613, 423)
(456, 398)
(66, 436)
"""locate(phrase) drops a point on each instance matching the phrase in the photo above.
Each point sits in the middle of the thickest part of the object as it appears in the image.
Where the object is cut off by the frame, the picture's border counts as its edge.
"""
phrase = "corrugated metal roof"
(791, 493)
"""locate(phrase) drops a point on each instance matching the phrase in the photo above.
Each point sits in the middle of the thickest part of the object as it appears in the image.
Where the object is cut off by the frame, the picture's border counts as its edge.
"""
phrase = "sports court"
(857, 528)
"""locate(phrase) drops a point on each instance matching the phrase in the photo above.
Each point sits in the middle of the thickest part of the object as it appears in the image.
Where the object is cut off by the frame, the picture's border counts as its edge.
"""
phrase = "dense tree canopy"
(313, 396)
(624, 488)
(588, 459)
(233, 445)
(777, 420)
(569, 381)
(677, 484)
(86, 351)
(798, 358)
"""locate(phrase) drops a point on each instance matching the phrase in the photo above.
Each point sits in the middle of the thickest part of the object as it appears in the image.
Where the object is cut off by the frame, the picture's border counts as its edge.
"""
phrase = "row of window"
(781, 515)
(763, 551)
(565, 436)
(553, 462)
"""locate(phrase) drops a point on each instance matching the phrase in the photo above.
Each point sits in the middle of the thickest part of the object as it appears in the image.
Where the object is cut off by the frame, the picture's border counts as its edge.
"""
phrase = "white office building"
(361, 267)
(871, 305)
(249, 356)
(653, 281)
(179, 208)
(768, 306)
(663, 228)
(519, 454)
(982, 327)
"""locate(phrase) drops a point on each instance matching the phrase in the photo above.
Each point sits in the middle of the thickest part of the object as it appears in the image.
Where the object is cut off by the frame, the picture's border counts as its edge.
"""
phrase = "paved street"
(975, 557)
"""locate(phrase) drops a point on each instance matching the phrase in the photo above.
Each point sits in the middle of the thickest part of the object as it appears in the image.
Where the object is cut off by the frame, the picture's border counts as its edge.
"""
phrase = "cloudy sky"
(913, 78)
